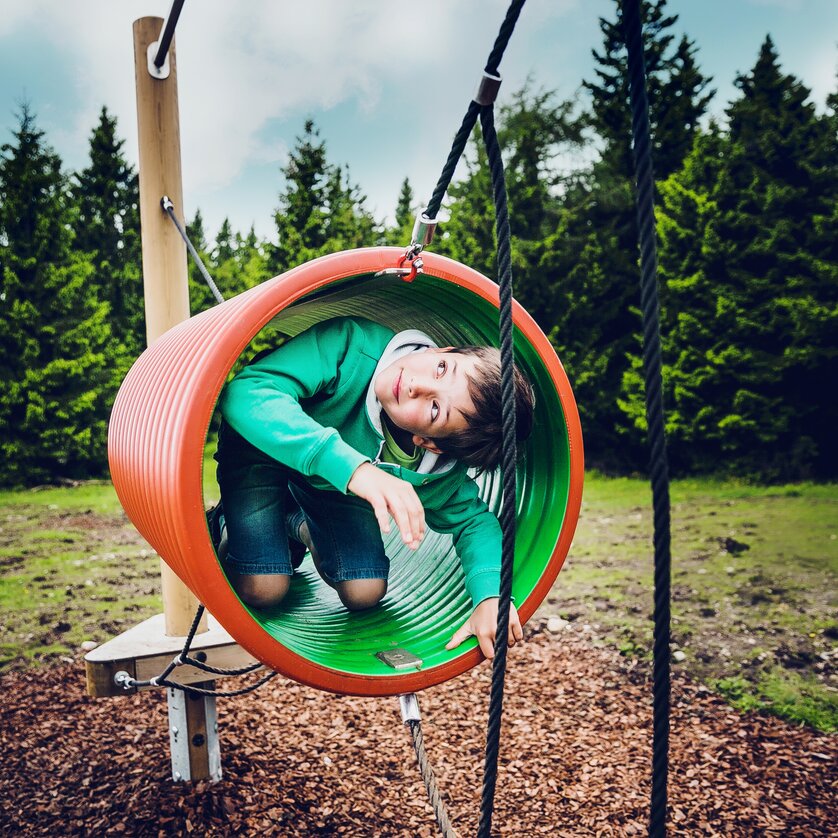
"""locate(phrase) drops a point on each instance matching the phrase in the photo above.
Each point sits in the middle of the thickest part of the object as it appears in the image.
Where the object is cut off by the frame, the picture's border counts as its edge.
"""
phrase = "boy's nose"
(418, 387)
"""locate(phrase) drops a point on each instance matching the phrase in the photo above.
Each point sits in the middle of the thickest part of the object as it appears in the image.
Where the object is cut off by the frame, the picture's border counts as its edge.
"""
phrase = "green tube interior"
(426, 601)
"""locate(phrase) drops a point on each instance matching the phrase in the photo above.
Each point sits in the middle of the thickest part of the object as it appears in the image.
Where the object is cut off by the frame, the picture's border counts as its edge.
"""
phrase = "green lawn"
(754, 595)
(753, 581)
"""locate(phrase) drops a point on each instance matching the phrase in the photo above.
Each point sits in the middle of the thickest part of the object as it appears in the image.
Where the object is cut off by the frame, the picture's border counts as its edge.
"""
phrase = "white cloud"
(820, 72)
(243, 66)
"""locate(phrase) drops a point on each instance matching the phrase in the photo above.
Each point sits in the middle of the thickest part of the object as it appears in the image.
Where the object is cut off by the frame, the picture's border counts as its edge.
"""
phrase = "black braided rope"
(440, 812)
(162, 680)
(217, 693)
(218, 670)
(508, 455)
(457, 149)
(654, 410)
(508, 471)
(470, 118)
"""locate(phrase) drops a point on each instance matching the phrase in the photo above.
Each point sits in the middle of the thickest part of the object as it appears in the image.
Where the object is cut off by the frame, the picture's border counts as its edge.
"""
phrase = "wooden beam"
(145, 650)
(165, 276)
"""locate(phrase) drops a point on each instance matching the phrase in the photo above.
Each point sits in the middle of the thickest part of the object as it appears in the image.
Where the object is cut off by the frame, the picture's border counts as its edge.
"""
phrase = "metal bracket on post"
(158, 52)
(161, 72)
(190, 742)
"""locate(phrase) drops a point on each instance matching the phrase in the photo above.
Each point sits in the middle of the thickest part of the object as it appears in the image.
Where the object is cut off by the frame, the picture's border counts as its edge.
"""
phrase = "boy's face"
(426, 393)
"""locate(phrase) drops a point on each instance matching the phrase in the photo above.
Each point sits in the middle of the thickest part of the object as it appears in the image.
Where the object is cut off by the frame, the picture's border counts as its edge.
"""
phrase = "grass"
(753, 586)
(753, 582)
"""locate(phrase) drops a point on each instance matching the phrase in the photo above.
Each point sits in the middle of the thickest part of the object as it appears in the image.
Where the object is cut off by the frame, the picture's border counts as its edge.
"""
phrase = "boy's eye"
(441, 367)
(434, 411)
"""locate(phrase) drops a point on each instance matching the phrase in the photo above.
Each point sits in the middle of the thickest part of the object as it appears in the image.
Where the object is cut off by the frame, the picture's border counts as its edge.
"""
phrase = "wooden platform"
(145, 651)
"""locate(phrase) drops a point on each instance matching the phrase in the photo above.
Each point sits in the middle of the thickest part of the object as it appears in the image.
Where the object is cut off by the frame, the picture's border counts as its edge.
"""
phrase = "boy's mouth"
(397, 385)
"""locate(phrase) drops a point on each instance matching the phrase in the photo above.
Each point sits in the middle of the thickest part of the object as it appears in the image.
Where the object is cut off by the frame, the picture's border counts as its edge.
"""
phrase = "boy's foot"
(217, 530)
(296, 547)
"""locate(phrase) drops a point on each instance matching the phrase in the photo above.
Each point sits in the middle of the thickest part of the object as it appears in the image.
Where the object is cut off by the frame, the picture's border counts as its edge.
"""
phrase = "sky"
(386, 81)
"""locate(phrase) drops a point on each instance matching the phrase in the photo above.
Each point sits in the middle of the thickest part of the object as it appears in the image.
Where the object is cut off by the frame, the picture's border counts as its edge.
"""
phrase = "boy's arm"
(477, 540)
(262, 404)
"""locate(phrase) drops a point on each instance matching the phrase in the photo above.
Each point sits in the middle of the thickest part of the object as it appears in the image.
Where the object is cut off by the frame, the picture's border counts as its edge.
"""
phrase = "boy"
(343, 426)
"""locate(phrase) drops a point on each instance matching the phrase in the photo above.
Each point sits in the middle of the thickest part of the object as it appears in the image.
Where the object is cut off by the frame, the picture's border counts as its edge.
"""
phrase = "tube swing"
(158, 433)
(163, 411)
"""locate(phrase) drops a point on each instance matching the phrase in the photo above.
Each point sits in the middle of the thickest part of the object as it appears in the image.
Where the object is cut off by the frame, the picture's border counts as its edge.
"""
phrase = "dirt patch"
(575, 758)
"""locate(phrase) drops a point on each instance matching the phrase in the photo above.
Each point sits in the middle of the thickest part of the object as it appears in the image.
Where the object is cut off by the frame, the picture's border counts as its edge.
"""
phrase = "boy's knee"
(359, 594)
(263, 591)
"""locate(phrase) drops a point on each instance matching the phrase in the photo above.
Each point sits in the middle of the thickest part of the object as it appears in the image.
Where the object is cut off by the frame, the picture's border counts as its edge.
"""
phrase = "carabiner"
(408, 274)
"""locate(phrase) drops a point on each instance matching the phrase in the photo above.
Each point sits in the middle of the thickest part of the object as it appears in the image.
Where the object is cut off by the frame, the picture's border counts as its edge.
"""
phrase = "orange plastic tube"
(159, 427)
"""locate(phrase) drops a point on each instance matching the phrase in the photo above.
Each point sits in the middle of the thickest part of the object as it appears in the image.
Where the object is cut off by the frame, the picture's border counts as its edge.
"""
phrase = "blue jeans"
(264, 501)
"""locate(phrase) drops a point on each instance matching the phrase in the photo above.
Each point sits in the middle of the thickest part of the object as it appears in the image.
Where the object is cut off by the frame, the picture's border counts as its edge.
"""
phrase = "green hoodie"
(309, 405)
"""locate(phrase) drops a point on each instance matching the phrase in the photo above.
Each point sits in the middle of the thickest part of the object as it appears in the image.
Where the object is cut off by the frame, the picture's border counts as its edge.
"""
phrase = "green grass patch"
(72, 569)
(754, 573)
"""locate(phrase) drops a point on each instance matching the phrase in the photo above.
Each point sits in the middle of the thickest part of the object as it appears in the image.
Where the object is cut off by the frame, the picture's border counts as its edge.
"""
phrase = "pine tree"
(59, 360)
(750, 277)
(300, 219)
(239, 262)
(782, 300)
(406, 209)
(348, 224)
(675, 89)
(225, 243)
(108, 229)
(600, 219)
(320, 209)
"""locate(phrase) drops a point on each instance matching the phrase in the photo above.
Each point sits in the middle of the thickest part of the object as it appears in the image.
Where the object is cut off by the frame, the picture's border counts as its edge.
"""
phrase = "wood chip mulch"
(575, 758)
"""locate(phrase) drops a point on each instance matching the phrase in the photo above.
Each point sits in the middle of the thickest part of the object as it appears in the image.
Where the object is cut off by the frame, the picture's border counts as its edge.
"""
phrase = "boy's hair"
(479, 443)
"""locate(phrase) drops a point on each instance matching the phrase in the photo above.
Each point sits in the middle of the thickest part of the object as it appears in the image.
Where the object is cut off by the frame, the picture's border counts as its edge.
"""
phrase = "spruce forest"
(747, 225)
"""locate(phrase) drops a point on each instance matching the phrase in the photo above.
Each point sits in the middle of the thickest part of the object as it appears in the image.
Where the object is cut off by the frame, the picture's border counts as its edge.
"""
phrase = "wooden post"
(165, 277)
(165, 280)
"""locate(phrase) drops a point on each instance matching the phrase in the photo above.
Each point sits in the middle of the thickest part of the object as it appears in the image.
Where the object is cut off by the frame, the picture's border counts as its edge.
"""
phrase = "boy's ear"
(427, 443)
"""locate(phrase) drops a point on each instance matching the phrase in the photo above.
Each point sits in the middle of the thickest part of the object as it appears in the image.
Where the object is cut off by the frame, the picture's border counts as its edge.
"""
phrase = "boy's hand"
(483, 624)
(388, 495)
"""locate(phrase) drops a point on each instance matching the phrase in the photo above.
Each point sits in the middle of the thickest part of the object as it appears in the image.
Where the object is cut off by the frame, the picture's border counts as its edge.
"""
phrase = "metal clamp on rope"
(423, 230)
(410, 708)
(487, 90)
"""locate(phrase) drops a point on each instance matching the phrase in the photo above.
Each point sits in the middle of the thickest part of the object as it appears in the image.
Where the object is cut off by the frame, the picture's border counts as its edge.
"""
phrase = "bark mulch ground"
(575, 758)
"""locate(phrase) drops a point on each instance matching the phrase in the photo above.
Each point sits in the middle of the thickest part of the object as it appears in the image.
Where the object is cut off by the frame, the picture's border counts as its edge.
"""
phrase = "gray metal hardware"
(409, 705)
(487, 90)
(423, 230)
(399, 659)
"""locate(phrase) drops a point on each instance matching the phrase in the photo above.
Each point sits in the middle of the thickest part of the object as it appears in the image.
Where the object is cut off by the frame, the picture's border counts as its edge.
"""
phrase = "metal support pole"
(193, 735)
